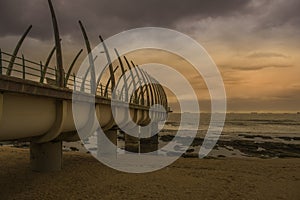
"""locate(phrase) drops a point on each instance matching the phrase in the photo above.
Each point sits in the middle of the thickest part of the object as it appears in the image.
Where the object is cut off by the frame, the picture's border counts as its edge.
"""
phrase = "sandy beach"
(83, 177)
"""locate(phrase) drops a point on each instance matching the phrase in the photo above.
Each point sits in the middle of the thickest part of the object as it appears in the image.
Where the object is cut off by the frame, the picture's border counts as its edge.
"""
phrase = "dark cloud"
(289, 93)
(259, 67)
(266, 55)
(230, 79)
(105, 16)
(17, 15)
(279, 13)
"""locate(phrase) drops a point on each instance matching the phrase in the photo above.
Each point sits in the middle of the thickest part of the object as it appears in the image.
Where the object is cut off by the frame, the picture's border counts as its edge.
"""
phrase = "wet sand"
(83, 177)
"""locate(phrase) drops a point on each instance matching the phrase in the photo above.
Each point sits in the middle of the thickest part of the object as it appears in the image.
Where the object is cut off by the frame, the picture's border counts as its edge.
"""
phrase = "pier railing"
(30, 70)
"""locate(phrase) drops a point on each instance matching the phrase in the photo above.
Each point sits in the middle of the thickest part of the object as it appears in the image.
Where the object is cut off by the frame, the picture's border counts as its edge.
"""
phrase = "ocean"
(244, 134)
(268, 124)
(262, 135)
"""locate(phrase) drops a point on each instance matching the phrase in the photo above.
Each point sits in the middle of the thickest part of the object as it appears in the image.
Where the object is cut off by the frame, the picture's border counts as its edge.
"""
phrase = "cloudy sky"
(255, 43)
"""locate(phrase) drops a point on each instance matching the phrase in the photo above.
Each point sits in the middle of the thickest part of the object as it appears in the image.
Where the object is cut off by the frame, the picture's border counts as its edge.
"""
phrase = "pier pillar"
(46, 156)
(131, 143)
(105, 148)
(150, 144)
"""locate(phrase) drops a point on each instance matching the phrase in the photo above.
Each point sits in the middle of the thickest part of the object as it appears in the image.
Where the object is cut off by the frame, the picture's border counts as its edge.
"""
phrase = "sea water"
(243, 134)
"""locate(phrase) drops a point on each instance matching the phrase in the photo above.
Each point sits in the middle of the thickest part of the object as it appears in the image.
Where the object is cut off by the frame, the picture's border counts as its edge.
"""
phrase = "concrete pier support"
(105, 148)
(131, 143)
(150, 144)
(46, 157)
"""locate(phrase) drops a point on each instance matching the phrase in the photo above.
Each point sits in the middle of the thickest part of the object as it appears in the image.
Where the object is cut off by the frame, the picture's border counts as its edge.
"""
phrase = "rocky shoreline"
(249, 148)
(259, 146)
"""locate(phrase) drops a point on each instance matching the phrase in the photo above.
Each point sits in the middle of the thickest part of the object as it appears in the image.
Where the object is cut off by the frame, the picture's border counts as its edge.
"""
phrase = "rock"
(74, 149)
(190, 150)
